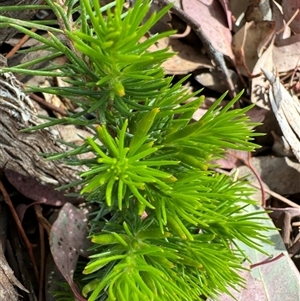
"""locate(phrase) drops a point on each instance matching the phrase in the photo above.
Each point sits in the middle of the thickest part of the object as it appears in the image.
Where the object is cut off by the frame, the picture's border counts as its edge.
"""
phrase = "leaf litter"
(259, 41)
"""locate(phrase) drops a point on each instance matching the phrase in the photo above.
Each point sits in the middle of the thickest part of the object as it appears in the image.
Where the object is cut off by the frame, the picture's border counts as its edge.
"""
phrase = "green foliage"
(166, 224)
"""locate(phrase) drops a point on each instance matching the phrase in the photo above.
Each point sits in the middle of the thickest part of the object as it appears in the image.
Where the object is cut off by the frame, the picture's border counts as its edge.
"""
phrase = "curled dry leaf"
(287, 112)
(282, 57)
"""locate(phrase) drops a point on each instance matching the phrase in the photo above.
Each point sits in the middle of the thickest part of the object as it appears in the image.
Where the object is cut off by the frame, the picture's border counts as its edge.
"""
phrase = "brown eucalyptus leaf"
(66, 239)
(210, 15)
(34, 190)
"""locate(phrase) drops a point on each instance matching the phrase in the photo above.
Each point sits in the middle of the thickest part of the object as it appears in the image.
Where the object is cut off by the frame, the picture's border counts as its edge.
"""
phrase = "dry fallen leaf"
(279, 174)
(66, 238)
(212, 79)
(287, 57)
(210, 15)
(34, 190)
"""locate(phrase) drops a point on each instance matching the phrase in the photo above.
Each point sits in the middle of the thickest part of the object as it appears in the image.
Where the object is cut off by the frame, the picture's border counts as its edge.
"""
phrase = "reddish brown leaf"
(66, 238)
(210, 15)
(34, 190)
(227, 11)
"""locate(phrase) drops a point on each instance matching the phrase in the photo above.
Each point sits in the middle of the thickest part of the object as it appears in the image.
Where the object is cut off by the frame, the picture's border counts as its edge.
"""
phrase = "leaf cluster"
(166, 224)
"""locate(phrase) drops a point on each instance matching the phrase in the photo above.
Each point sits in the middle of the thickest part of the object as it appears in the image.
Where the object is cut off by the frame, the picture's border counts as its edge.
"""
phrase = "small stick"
(39, 215)
(19, 225)
(182, 35)
(19, 44)
(48, 105)
(268, 260)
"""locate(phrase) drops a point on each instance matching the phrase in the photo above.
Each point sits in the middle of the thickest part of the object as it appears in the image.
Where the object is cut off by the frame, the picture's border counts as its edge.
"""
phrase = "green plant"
(166, 224)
